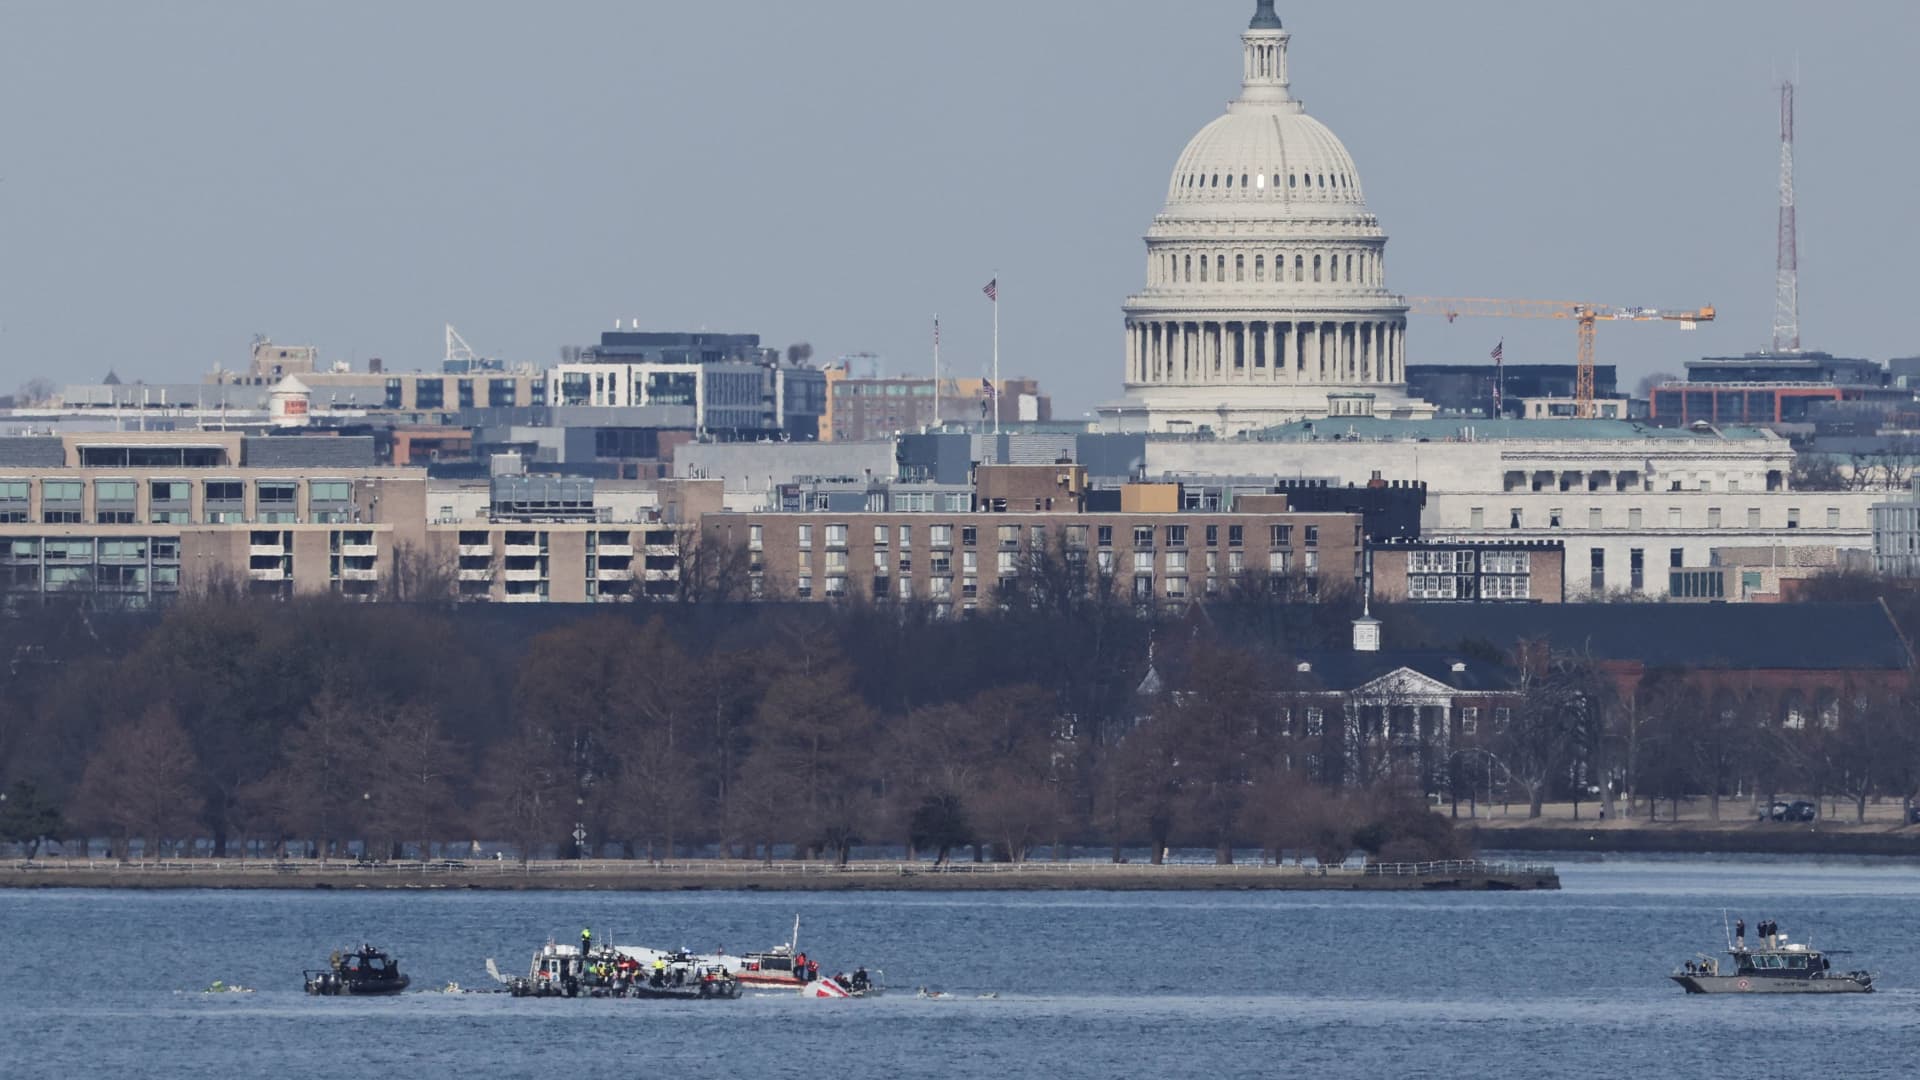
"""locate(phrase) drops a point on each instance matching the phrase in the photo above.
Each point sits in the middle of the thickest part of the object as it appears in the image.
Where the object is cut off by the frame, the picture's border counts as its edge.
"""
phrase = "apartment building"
(960, 561)
(1490, 571)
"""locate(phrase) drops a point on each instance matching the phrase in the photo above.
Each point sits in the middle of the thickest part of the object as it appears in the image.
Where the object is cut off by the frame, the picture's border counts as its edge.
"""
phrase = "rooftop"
(1373, 429)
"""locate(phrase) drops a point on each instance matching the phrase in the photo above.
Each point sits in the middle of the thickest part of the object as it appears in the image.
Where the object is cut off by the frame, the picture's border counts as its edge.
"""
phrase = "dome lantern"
(1264, 78)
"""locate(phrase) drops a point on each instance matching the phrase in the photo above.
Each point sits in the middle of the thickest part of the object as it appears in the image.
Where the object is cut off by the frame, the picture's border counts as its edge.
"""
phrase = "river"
(1054, 985)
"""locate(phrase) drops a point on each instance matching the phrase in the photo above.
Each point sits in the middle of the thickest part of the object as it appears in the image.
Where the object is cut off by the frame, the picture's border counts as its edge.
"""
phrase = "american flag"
(1499, 350)
(936, 331)
(993, 290)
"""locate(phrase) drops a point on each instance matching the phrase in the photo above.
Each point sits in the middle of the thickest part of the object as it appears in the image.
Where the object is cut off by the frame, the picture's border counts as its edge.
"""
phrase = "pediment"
(1402, 683)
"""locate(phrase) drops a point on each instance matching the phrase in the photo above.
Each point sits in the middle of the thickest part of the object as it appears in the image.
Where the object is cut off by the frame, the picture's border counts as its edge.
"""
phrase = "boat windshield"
(1778, 962)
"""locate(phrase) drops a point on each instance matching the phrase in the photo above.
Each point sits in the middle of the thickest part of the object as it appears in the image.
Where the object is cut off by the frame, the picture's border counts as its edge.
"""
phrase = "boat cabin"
(1786, 962)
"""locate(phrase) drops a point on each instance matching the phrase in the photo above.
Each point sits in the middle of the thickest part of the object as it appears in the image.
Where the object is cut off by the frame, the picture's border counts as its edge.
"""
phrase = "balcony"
(609, 573)
(661, 575)
(359, 551)
(352, 573)
(652, 549)
(269, 551)
(523, 598)
(525, 575)
(524, 551)
(616, 551)
(477, 575)
(273, 574)
(480, 551)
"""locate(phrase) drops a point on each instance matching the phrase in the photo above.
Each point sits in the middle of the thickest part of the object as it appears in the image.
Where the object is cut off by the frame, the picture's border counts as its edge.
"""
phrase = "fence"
(1088, 868)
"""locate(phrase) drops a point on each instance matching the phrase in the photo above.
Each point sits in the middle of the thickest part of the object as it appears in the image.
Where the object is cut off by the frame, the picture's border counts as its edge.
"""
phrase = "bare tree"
(419, 574)
(142, 782)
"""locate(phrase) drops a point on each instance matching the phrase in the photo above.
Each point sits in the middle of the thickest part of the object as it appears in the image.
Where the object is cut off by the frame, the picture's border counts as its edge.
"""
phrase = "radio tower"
(1786, 299)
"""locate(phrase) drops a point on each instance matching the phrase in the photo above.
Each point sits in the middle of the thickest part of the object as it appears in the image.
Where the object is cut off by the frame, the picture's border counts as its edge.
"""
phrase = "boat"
(608, 972)
(782, 967)
(1774, 966)
(359, 972)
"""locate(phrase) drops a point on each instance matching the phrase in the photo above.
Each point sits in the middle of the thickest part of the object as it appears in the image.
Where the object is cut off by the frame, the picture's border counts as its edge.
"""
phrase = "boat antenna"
(793, 943)
(1726, 930)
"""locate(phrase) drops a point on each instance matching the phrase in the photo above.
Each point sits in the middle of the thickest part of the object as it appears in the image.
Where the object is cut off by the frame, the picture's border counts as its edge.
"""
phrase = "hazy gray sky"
(178, 177)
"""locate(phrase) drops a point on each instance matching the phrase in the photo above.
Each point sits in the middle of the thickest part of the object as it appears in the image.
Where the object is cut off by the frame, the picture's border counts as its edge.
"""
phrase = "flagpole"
(996, 352)
(936, 371)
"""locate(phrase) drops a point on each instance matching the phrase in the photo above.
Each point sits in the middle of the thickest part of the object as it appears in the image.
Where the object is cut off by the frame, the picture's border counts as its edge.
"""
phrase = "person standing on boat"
(1739, 934)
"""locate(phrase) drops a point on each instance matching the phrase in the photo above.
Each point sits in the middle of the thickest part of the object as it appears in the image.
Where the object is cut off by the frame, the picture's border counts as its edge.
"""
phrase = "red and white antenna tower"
(1786, 297)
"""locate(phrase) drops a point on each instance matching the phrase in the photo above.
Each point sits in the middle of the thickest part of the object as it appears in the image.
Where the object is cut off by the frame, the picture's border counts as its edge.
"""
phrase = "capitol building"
(1266, 299)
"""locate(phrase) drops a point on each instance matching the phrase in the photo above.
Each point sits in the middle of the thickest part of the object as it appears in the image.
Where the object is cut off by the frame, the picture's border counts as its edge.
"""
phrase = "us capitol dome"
(1266, 298)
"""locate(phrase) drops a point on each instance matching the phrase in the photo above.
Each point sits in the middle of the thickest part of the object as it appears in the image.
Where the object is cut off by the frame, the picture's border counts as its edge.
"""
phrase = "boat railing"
(723, 867)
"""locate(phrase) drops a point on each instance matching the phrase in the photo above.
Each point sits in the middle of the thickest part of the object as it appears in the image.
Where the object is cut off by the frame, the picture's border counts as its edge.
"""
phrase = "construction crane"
(1585, 316)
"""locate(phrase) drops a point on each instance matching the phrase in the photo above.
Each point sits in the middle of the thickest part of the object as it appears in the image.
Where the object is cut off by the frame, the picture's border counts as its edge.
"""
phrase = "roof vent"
(1457, 667)
(1303, 667)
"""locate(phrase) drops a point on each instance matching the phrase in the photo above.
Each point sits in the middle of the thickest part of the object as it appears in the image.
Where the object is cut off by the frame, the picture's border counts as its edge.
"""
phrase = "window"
(1143, 537)
(1634, 518)
(1280, 536)
(1501, 717)
(1753, 517)
(756, 537)
(1236, 536)
(1514, 519)
(60, 490)
(880, 536)
(1176, 562)
(1076, 538)
(1637, 568)
(226, 491)
(1713, 517)
(1008, 562)
(1793, 517)
(1594, 518)
(805, 539)
(969, 562)
(940, 536)
(1103, 561)
(1009, 536)
(805, 560)
(1279, 562)
(1469, 720)
(1236, 561)
(330, 490)
(1143, 562)
(1597, 557)
(1213, 536)
(1553, 518)
(1316, 722)
(1833, 517)
(836, 588)
(1313, 535)
(1311, 563)
(1477, 517)
(836, 561)
(1106, 535)
(1176, 536)
(1677, 557)
(122, 491)
(1673, 517)
(969, 535)
(836, 536)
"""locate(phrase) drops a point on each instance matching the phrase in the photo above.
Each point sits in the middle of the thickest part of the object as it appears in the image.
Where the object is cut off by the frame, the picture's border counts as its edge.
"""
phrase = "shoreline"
(716, 875)
(1742, 839)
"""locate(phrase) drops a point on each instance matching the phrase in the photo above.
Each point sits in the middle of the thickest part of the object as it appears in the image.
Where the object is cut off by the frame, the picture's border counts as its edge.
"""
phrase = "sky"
(176, 178)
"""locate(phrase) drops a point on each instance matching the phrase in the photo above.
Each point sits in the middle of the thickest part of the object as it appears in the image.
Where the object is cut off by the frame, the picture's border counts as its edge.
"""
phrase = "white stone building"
(1266, 297)
(1629, 503)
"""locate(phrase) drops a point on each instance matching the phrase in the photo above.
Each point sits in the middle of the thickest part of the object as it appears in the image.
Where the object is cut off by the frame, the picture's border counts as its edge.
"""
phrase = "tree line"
(318, 726)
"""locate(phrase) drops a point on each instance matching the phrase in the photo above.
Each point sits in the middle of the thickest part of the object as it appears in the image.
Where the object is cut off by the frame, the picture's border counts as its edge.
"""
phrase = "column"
(1273, 353)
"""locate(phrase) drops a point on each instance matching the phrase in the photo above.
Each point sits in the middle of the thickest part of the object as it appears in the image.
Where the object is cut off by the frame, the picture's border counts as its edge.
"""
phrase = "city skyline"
(356, 178)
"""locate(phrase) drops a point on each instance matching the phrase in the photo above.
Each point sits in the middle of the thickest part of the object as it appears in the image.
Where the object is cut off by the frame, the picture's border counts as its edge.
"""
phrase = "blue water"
(1568, 984)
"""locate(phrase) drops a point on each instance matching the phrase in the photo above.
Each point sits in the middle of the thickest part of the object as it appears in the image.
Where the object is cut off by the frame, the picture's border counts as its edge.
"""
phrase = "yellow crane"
(1585, 316)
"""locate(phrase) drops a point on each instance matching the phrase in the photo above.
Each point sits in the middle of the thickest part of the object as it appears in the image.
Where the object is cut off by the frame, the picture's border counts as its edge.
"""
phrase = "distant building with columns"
(1266, 298)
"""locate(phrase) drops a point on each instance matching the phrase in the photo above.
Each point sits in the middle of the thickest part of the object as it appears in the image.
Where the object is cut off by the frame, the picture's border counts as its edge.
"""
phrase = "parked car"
(1798, 810)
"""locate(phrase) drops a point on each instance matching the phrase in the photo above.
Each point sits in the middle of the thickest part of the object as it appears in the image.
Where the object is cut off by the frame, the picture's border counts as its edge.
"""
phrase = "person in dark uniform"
(1740, 934)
